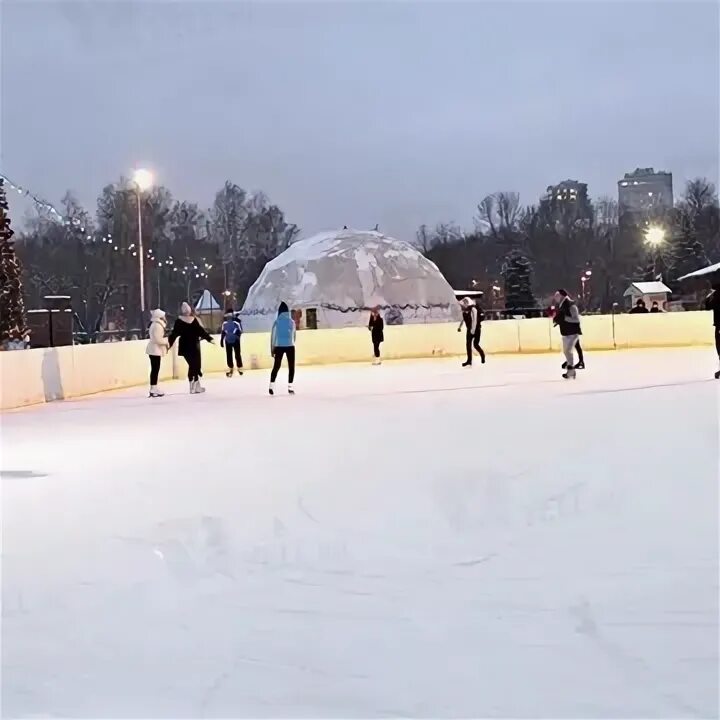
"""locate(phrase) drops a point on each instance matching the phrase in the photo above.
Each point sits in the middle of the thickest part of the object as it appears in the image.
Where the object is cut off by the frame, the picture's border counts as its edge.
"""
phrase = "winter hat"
(157, 314)
(185, 309)
(283, 308)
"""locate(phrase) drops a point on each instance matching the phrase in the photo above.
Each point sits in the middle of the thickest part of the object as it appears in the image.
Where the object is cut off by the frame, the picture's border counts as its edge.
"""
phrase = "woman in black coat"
(376, 326)
(190, 332)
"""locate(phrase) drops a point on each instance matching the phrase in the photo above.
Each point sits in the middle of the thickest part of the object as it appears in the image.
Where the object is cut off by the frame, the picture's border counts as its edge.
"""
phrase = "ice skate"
(271, 390)
(229, 373)
(570, 374)
(717, 375)
(192, 387)
(580, 366)
(155, 393)
(240, 372)
(467, 363)
(199, 389)
(564, 365)
(291, 391)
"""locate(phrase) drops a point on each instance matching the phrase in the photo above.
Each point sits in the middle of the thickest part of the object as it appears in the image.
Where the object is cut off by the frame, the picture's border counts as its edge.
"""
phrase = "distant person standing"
(567, 318)
(230, 337)
(712, 302)
(639, 308)
(156, 349)
(376, 326)
(190, 332)
(282, 344)
(472, 320)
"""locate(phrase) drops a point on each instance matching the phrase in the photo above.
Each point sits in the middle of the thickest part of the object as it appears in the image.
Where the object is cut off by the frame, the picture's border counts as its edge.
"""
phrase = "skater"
(282, 343)
(156, 349)
(712, 302)
(472, 319)
(567, 318)
(230, 337)
(188, 328)
(376, 326)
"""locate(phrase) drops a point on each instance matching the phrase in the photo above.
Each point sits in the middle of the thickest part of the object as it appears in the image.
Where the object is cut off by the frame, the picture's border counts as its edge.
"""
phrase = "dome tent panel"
(342, 274)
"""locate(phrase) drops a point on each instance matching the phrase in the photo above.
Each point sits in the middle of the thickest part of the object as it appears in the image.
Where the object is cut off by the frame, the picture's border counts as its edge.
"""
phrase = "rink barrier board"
(31, 377)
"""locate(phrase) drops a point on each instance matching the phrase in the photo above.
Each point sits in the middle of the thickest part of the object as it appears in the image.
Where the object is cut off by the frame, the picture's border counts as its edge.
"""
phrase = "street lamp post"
(143, 180)
(654, 238)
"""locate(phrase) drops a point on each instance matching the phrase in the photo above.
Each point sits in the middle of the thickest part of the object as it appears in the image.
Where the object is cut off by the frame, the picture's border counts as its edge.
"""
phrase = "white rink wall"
(36, 376)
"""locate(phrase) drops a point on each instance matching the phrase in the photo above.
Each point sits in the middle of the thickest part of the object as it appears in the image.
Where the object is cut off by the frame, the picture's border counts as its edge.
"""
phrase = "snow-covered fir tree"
(686, 252)
(13, 328)
(517, 274)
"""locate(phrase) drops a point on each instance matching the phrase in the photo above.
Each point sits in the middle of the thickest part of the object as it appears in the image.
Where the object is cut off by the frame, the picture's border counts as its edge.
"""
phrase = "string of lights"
(39, 202)
(355, 308)
(188, 268)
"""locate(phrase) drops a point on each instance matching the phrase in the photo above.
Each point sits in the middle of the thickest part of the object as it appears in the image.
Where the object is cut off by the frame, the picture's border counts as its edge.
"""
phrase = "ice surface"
(410, 540)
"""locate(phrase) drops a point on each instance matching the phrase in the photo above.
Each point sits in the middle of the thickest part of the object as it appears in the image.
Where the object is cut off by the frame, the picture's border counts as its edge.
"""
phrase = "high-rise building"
(644, 195)
(567, 202)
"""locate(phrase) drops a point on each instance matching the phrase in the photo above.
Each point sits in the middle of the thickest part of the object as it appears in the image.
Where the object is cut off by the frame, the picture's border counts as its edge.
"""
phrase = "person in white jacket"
(157, 348)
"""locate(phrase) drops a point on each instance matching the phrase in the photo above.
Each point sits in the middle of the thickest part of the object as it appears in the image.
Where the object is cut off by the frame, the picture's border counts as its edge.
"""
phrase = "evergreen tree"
(517, 272)
(686, 253)
(13, 328)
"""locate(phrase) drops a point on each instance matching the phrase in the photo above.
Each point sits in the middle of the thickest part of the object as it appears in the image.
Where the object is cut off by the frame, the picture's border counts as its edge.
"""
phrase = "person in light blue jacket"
(282, 343)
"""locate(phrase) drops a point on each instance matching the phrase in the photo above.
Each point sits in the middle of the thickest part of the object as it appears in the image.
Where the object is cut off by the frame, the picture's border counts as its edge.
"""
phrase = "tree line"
(93, 257)
(518, 254)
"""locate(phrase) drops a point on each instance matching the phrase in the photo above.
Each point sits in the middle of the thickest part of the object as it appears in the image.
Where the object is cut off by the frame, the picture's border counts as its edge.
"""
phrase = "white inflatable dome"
(342, 274)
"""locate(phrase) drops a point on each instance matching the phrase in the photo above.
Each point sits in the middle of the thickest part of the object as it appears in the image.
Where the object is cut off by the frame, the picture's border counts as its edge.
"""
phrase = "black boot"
(580, 366)
(467, 363)
(564, 366)
(717, 375)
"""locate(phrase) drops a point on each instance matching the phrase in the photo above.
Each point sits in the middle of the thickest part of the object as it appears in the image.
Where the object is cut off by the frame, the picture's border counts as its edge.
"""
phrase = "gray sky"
(399, 113)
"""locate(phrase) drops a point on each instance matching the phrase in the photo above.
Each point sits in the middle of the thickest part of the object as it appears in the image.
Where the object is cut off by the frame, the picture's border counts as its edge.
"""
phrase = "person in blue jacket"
(282, 344)
(230, 338)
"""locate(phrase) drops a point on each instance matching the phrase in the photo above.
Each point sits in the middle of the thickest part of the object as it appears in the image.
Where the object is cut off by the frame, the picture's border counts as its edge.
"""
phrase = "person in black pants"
(712, 302)
(156, 349)
(376, 326)
(230, 337)
(472, 319)
(282, 344)
(189, 330)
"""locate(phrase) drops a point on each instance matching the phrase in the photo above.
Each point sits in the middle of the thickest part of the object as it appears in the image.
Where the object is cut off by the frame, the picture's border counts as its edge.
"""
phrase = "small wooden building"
(649, 292)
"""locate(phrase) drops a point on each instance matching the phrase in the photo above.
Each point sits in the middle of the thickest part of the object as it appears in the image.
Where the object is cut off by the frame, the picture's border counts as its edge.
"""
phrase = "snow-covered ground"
(412, 540)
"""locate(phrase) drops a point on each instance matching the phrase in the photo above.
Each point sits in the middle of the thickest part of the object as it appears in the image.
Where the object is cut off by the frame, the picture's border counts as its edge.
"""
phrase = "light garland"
(188, 269)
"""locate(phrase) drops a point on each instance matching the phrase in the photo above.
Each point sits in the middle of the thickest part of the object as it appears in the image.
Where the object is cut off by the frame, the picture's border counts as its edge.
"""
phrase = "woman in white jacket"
(157, 348)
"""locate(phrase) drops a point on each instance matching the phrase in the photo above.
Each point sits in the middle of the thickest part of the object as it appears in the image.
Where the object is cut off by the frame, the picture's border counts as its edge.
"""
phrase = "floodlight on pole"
(654, 236)
(143, 180)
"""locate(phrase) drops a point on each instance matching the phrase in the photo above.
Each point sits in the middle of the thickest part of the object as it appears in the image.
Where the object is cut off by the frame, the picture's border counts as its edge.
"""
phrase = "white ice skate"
(291, 390)
(199, 389)
(155, 393)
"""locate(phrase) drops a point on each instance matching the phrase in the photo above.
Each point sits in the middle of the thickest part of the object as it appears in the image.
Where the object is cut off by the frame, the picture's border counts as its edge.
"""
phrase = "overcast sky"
(398, 113)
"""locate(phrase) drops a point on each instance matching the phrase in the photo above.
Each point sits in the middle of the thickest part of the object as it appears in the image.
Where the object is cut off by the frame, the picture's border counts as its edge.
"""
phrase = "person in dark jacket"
(376, 326)
(712, 302)
(639, 308)
(472, 320)
(230, 337)
(655, 308)
(190, 332)
(282, 344)
(567, 318)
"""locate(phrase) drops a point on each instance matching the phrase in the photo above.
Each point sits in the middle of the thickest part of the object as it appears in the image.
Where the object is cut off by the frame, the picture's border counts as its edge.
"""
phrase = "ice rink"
(412, 540)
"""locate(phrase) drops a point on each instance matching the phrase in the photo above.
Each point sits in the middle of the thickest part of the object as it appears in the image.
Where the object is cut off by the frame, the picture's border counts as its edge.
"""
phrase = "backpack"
(232, 331)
